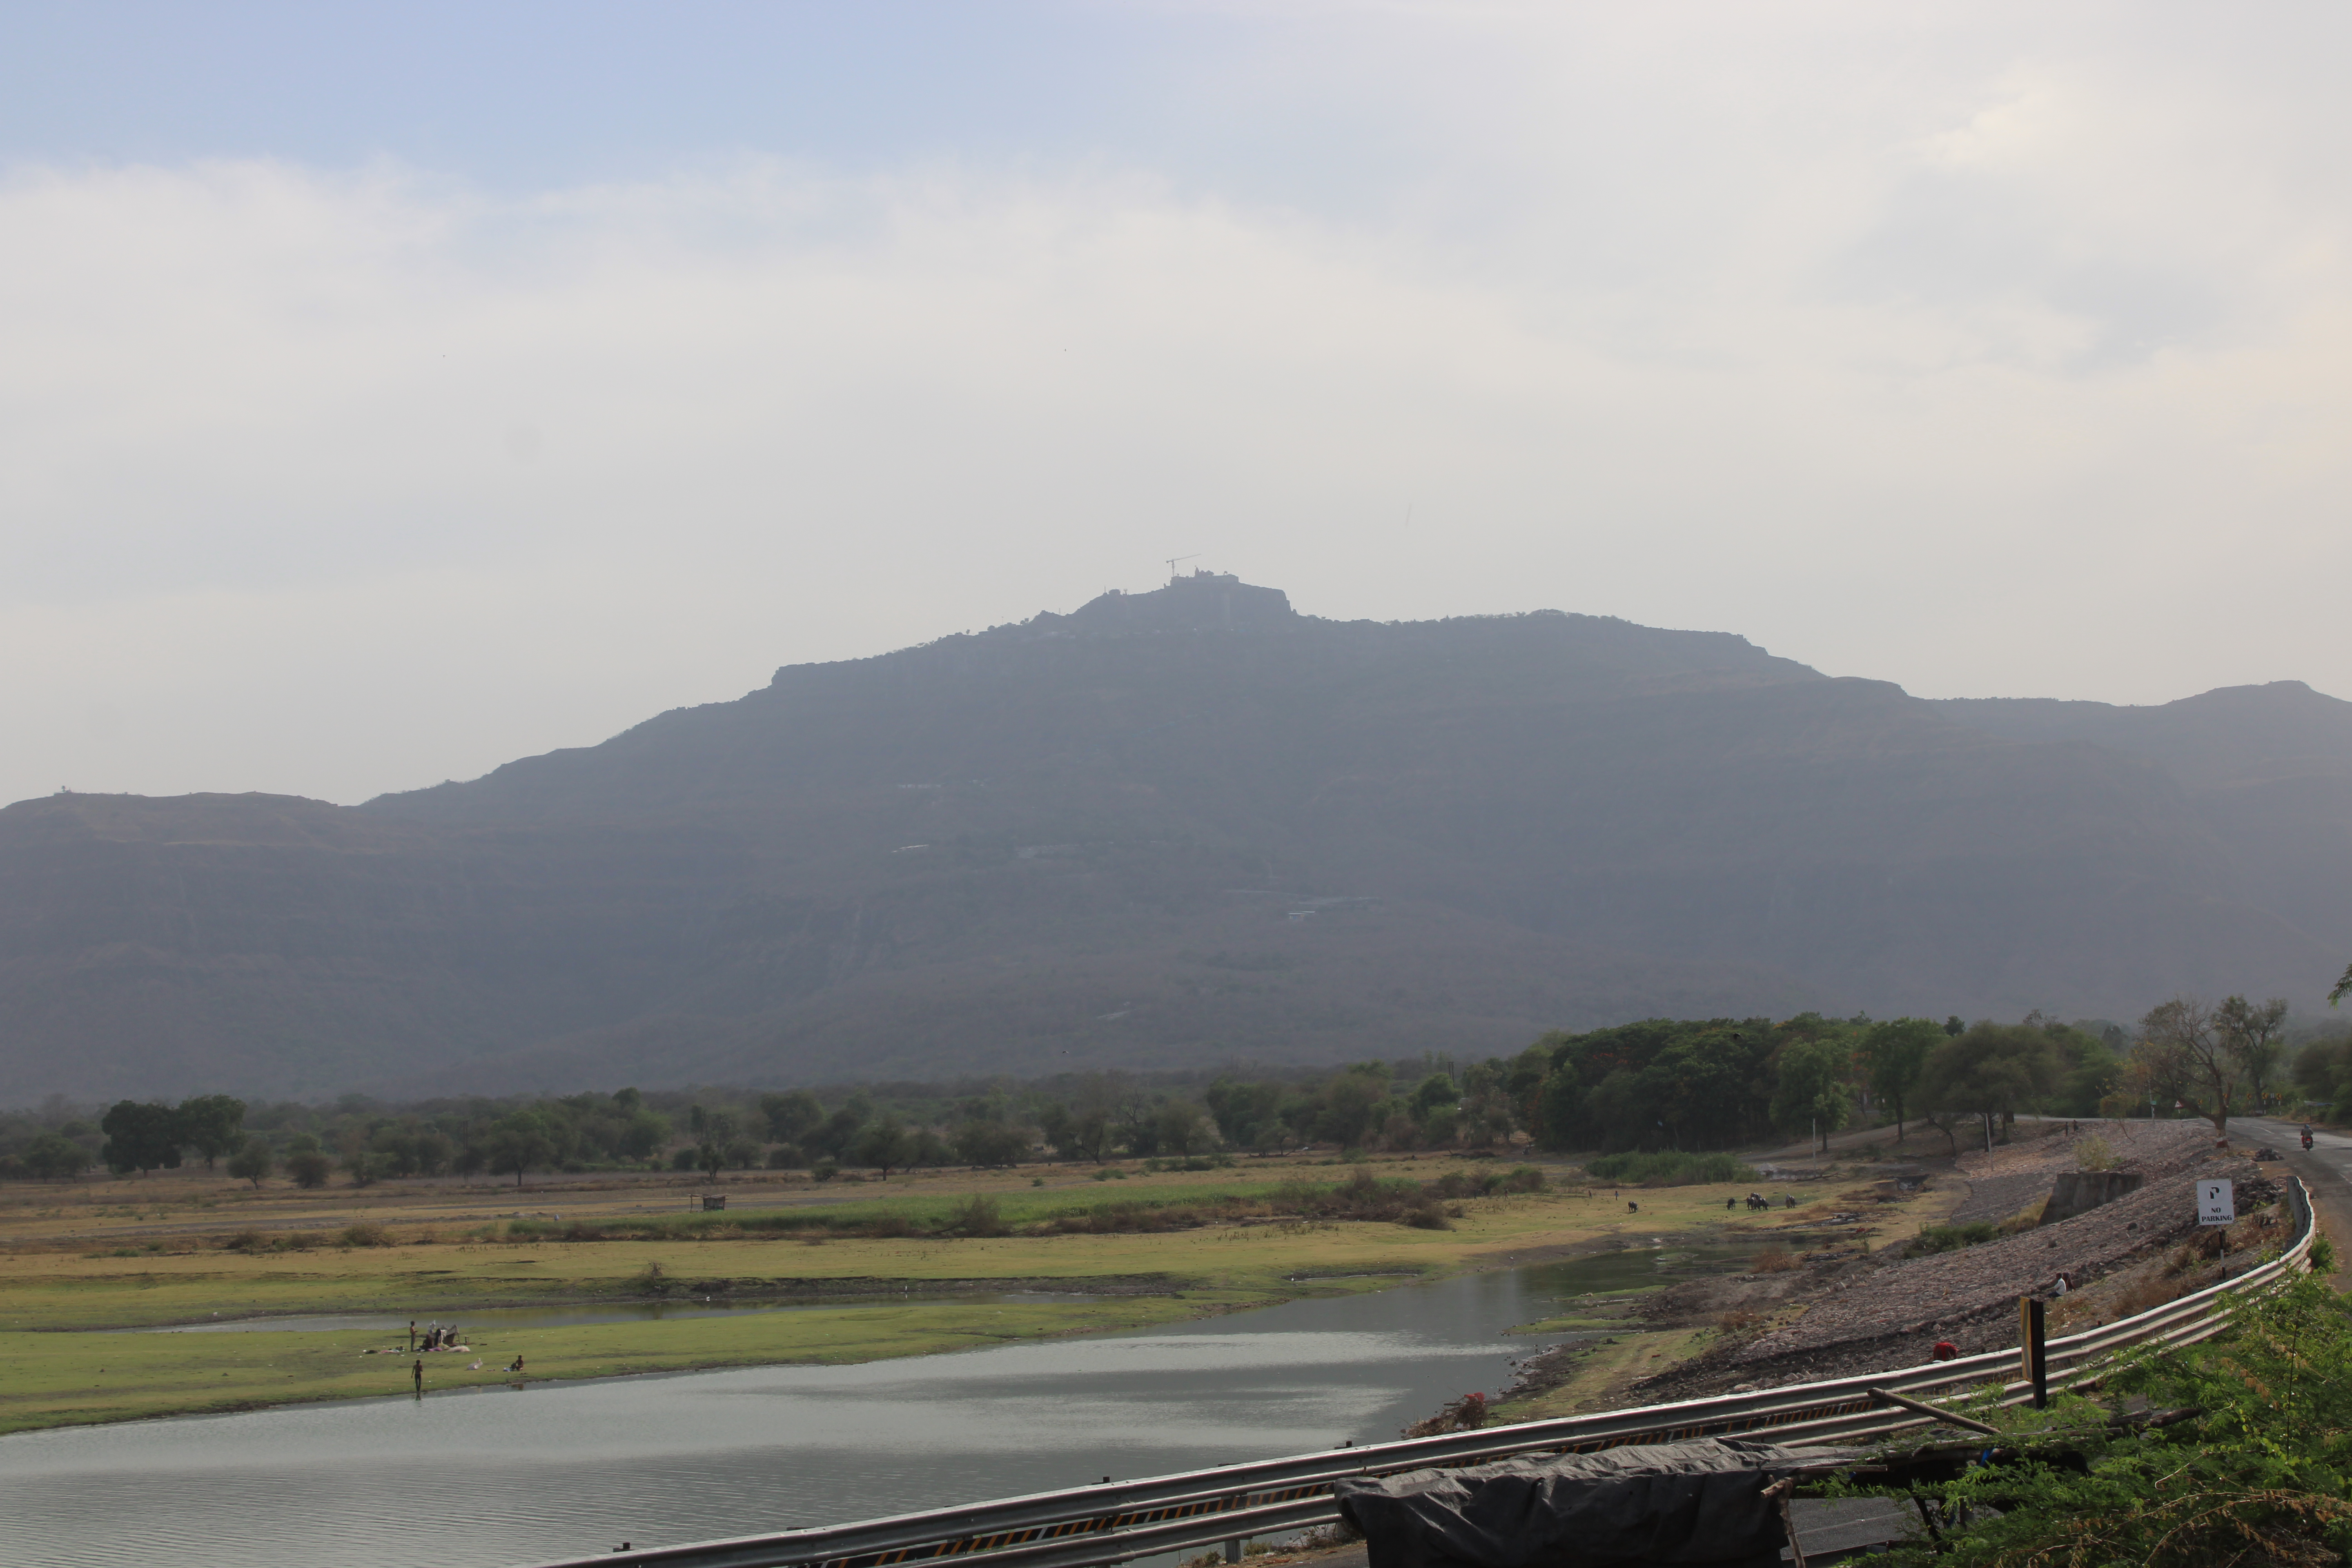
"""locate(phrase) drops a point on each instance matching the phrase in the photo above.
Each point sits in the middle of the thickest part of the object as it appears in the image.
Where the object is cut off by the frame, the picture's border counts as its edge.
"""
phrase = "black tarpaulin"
(1697, 1503)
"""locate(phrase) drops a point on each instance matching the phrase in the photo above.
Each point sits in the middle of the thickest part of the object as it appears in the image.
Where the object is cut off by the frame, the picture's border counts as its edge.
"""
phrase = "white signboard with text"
(2217, 1203)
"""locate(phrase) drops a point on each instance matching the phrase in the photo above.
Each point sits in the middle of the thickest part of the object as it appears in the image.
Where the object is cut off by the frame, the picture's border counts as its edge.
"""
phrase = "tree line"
(1684, 1085)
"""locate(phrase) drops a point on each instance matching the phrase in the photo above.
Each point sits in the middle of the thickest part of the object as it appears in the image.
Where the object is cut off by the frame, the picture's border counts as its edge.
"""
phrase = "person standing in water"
(417, 1370)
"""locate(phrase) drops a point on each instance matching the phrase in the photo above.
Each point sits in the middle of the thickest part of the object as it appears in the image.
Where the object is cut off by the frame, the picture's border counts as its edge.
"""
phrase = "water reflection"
(497, 1475)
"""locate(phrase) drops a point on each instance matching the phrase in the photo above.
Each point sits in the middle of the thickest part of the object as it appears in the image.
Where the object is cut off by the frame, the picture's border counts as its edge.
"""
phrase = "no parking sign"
(2217, 1203)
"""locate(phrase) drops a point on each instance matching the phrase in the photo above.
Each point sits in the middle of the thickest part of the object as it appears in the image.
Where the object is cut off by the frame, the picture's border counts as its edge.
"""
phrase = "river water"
(492, 1477)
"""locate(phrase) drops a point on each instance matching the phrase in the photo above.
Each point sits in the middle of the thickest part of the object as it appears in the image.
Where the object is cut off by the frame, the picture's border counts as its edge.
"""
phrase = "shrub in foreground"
(2259, 1472)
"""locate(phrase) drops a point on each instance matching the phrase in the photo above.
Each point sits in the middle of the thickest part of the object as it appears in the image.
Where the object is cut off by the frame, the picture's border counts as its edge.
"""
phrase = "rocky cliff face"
(1182, 826)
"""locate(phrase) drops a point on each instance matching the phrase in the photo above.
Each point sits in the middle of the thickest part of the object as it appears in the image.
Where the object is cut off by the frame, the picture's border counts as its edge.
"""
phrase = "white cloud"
(1988, 369)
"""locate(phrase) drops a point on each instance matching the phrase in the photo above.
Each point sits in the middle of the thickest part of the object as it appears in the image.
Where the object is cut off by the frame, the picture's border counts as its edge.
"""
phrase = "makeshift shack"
(1711, 1501)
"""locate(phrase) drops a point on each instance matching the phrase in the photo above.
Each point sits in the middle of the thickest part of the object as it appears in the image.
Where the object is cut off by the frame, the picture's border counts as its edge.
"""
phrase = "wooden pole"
(1781, 1489)
(2032, 1352)
(1973, 1425)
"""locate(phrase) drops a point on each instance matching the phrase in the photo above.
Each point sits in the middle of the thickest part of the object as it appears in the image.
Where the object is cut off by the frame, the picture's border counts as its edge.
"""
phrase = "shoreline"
(65, 1359)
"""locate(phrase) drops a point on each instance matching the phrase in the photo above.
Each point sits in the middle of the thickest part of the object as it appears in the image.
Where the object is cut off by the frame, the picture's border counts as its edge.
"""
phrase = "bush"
(786, 1157)
(364, 1232)
(1952, 1237)
(309, 1168)
(976, 1216)
(1427, 1215)
(826, 1169)
(2095, 1153)
(1775, 1259)
(1461, 1185)
(1668, 1169)
(686, 1158)
(2257, 1473)
(246, 1240)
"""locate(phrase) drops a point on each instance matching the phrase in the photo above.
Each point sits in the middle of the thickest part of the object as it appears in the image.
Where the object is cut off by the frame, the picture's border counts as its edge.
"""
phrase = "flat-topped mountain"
(1184, 825)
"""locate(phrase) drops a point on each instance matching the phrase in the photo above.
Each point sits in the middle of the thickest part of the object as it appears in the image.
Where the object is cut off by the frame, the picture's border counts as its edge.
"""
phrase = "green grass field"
(75, 1270)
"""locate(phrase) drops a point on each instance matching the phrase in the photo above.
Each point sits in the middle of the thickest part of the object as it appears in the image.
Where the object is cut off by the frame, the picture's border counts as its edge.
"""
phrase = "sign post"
(2217, 1204)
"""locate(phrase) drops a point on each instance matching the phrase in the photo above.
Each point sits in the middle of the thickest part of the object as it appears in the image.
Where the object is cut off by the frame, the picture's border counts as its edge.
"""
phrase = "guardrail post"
(2032, 1352)
(1232, 1551)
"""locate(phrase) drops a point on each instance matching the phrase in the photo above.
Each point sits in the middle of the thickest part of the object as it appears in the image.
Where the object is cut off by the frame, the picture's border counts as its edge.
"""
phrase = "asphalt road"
(2326, 1174)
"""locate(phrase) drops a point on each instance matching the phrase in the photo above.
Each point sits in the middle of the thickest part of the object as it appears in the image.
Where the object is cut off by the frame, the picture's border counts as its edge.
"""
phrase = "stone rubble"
(2010, 1179)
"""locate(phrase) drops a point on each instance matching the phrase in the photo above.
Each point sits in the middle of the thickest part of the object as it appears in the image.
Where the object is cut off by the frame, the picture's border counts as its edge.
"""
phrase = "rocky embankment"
(1849, 1315)
(2012, 1180)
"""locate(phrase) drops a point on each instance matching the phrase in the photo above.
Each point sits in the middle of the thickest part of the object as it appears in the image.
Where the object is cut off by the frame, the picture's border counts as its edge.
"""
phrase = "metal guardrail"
(1085, 1527)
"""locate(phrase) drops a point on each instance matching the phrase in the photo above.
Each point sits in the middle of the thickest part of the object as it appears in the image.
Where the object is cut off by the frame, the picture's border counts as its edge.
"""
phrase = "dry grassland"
(143, 1253)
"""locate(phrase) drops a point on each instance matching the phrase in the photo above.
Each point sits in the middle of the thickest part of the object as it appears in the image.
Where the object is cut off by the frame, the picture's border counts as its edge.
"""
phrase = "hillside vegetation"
(1189, 827)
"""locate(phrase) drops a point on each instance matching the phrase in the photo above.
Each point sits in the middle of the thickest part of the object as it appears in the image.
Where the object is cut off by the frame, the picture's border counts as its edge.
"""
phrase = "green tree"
(1809, 1088)
(1617, 1109)
(1523, 1080)
(1345, 1114)
(1896, 1053)
(1438, 1089)
(359, 1160)
(837, 1136)
(1076, 1134)
(2252, 1036)
(716, 1143)
(1989, 1071)
(1181, 1127)
(1248, 1115)
(141, 1137)
(1697, 1090)
(1486, 1114)
(252, 1162)
(520, 1143)
(2093, 1071)
(214, 1124)
(989, 1142)
(792, 1117)
(1561, 1116)
(2320, 1066)
(2185, 1046)
(52, 1156)
(309, 1167)
(643, 1135)
(884, 1145)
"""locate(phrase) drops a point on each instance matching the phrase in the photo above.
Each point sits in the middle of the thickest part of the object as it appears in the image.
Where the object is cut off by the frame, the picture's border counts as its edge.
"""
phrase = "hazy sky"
(389, 391)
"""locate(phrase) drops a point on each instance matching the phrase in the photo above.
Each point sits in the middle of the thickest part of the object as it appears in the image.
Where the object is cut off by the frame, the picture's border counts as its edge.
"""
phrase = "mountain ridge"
(1029, 847)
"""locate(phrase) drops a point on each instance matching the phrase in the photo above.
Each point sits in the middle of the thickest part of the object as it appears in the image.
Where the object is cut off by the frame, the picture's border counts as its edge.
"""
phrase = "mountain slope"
(1182, 825)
